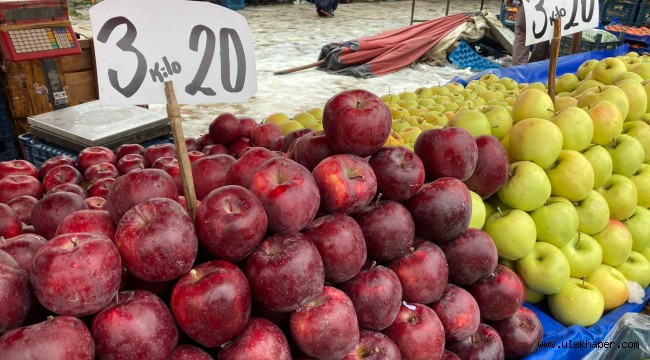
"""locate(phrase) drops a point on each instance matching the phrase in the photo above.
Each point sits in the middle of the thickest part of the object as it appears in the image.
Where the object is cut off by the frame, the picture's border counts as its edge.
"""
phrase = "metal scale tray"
(91, 124)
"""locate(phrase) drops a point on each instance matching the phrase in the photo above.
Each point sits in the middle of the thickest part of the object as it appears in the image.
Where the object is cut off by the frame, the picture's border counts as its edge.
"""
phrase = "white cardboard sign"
(205, 49)
(576, 15)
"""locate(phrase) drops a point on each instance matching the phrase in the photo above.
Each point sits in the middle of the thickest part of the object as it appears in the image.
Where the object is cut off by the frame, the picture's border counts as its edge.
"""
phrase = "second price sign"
(575, 15)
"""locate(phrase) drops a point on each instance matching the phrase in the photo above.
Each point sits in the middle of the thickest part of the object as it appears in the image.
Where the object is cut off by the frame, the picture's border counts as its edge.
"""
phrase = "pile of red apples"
(313, 245)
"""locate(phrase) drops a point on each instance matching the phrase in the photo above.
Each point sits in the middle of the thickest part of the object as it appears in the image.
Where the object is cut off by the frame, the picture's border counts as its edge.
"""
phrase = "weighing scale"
(91, 124)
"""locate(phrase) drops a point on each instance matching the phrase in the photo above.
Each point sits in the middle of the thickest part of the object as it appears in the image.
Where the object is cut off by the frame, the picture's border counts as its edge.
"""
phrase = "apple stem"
(50, 318)
(578, 242)
(230, 209)
(499, 210)
(193, 274)
(378, 198)
(583, 280)
(357, 177)
(412, 249)
(374, 263)
(74, 241)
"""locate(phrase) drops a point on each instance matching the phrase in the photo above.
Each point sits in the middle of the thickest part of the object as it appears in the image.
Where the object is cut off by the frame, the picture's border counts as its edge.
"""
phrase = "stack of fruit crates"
(622, 12)
(587, 46)
(643, 15)
(508, 14)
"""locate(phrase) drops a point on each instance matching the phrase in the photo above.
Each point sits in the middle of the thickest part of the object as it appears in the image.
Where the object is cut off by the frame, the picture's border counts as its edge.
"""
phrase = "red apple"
(441, 209)
(53, 162)
(22, 248)
(205, 140)
(17, 167)
(174, 170)
(215, 149)
(22, 206)
(69, 187)
(293, 136)
(209, 173)
(231, 222)
(10, 224)
(131, 162)
(388, 229)
(341, 245)
(377, 297)
(492, 167)
(157, 240)
(417, 332)
(189, 352)
(212, 303)
(155, 152)
(399, 171)
(62, 174)
(326, 327)
(101, 187)
(485, 343)
(500, 294)
(264, 134)
(347, 183)
(520, 333)
(310, 150)
(100, 171)
(248, 124)
(356, 122)
(136, 324)
(374, 346)
(458, 312)
(88, 221)
(239, 146)
(241, 172)
(128, 149)
(95, 155)
(15, 293)
(57, 338)
(194, 155)
(135, 187)
(192, 144)
(470, 256)
(288, 192)
(277, 144)
(261, 340)
(448, 152)
(448, 355)
(48, 212)
(162, 161)
(285, 272)
(423, 273)
(76, 274)
(95, 203)
(225, 128)
(12, 186)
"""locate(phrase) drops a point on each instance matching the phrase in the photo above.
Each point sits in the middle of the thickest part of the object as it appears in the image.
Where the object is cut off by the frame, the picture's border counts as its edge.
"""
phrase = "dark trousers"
(327, 5)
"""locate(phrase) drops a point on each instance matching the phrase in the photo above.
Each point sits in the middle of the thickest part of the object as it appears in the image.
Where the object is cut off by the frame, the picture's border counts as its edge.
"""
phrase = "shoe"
(326, 14)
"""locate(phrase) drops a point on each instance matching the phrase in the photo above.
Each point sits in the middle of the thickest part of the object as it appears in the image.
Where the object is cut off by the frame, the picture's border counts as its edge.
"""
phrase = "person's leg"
(519, 48)
(540, 52)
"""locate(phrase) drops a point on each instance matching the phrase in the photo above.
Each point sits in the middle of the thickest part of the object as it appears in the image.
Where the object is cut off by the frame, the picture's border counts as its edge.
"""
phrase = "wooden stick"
(298, 68)
(555, 51)
(576, 43)
(174, 114)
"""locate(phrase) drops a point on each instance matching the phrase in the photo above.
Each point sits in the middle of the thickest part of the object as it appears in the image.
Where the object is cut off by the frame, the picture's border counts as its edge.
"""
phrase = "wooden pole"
(302, 67)
(555, 51)
(174, 114)
(576, 43)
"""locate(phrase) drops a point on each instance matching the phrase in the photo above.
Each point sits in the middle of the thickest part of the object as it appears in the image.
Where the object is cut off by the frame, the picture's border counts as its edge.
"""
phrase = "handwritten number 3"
(125, 44)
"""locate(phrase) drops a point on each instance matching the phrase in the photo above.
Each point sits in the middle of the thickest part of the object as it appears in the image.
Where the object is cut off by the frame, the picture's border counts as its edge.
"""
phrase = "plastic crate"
(587, 46)
(8, 148)
(507, 17)
(464, 56)
(643, 16)
(624, 12)
(233, 4)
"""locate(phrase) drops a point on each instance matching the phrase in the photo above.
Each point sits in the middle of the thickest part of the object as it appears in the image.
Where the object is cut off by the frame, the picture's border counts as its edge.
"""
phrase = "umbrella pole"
(555, 50)
(299, 68)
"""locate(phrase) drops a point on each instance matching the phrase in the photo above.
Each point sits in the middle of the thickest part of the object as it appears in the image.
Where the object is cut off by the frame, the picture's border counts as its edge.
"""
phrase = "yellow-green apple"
(537, 140)
(277, 118)
(409, 134)
(417, 110)
(585, 85)
(621, 195)
(641, 178)
(454, 86)
(315, 126)
(584, 255)
(478, 212)
(507, 262)
(399, 125)
(408, 95)
(566, 308)
(627, 155)
(424, 92)
(427, 126)
(545, 269)
(607, 69)
(413, 120)
(636, 268)
(639, 130)
(601, 162)
(538, 85)
(532, 103)
(317, 112)
(646, 253)
(304, 118)
(639, 226)
(593, 213)
(534, 297)
(290, 126)
(398, 113)
(566, 83)
(556, 222)
(447, 152)
(492, 167)
(608, 121)
(471, 120)
(628, 75)
(443, 90)
(441, 99)
(576, 126)
(612, 284)
(571, 176)
(616, 242)
(493, 92)
(585, 68)
(508, 83)
(608, 92)
(451, 106)
(527, 188)
(513, 232)
(500, 120)
(564, 102)
(489, 78)
(642, 69)
(646, 87)
(636, 96)
(389, 98)
(491, 209)
(436, 119)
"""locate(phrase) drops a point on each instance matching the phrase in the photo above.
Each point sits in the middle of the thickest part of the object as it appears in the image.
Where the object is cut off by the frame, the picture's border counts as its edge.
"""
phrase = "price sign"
(576, 15)
(205, 49)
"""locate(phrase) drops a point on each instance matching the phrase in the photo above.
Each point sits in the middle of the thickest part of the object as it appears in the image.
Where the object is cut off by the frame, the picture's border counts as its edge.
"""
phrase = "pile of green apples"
(573, 217)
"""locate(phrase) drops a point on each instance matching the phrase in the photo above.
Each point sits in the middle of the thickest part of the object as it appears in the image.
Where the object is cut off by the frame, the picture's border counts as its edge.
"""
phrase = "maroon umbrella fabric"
(389, 51)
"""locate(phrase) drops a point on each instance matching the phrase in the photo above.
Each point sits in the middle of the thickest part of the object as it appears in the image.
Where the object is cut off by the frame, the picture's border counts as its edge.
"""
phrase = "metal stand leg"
(447, 11)
(412, 10)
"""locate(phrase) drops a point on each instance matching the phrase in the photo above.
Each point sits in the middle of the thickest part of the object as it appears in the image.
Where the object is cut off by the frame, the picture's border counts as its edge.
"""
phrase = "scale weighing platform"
(91, 124)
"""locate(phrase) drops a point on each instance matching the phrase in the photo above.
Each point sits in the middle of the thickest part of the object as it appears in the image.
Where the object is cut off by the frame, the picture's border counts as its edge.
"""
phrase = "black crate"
(624, 12)
(587, 46)
(643, 16)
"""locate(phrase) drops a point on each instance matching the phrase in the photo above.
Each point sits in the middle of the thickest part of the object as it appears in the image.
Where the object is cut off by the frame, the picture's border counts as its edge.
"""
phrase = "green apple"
(607, 69)
(304, 118)
(428, 103)
(278, 118)
(586, 85)
(489, 209)
(399, 113)
(424, 92)
(627, 155)
(585, 68)
(556, 222)
(646, 87)
(408, 95)
(639, 226)
(639, 130)
(628, 75)
(407, 103)
(528, 187)
(451, 106)
(593, 213)
(534, 297)
(513, 232)
(608, 121)
(636, 97)
(537, 140)
(616, 242)
(478, 212)
(636, 268)
(436, 119)
(545, 269)
(410, 134)
(290, 126)
(509, 263)
(621, 195)
(608, 92)
(427, 126)
(316, 112)
(489, 78)
(576, 126)
(567, 83)
(316, 126)
(500, 120)
(417, 110)
(641, 179)
(390, 98)
(584, 255)
(611, 284)
(399, 125)
(646, 253)
(642, 69)
(571, 176)
(532, 103)
(508, 83)
(454, 86)
(473, 121)
(538, 85)
(577, 303)
(601, 162)
(564, 102)
(441, 99)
